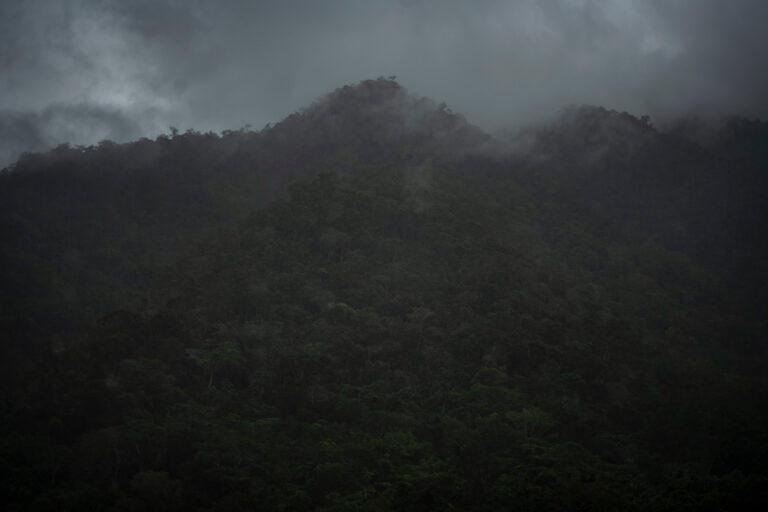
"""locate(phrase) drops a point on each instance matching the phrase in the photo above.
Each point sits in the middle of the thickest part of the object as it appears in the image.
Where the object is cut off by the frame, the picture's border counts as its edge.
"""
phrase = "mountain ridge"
(372, 306)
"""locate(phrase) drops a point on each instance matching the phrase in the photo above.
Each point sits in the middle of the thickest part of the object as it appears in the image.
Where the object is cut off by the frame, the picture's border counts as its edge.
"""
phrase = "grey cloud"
(57, 124)
(215, 65)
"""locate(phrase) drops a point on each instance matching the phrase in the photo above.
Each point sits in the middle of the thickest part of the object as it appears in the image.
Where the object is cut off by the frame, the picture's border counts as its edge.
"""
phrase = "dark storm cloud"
(222, 64)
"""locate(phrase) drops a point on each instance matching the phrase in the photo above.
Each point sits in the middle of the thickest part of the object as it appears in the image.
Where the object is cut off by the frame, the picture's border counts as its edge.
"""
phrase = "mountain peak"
(380, 115)
(380, 90)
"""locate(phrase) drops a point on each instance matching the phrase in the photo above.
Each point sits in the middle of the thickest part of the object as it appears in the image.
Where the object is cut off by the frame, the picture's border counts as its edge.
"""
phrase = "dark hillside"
(709, 202)
(98, 224)
(368, 306)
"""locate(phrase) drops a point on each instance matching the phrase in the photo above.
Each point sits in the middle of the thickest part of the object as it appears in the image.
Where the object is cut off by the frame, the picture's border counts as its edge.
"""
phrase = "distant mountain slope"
(708, 202)
(372, 306)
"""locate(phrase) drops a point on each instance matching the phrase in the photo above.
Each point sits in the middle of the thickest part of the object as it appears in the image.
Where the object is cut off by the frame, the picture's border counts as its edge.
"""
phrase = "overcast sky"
(85, 70)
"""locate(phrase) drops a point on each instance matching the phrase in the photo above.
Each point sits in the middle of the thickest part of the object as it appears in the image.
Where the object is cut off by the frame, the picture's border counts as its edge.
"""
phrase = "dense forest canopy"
(374, 305)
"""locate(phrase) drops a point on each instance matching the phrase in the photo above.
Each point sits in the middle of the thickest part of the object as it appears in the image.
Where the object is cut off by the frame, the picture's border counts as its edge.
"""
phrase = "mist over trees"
(375, 305)
(79, 71)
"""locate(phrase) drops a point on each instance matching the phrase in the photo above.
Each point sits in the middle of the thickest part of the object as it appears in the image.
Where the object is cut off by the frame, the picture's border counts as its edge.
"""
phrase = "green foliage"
(411, 330)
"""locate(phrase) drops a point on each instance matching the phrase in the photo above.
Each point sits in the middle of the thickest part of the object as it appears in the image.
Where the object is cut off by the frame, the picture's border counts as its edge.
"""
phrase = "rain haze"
(80, 71)
(383, 255)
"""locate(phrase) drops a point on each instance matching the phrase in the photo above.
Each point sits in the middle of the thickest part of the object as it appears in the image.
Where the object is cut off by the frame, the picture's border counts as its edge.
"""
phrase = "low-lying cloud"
(84, 70)
(58, 124)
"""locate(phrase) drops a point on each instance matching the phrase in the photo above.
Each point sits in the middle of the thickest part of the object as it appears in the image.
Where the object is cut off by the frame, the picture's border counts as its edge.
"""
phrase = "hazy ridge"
(374, 305)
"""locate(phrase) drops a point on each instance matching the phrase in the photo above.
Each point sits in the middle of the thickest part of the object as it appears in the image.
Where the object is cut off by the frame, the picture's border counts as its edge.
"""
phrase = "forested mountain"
(374, 305)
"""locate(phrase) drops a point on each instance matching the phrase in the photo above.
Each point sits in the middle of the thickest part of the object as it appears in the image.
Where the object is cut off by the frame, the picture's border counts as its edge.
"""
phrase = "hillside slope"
(372, 306)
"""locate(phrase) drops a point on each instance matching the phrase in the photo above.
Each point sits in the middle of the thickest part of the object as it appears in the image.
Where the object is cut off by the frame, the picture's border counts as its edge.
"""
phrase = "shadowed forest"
(374, 305)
